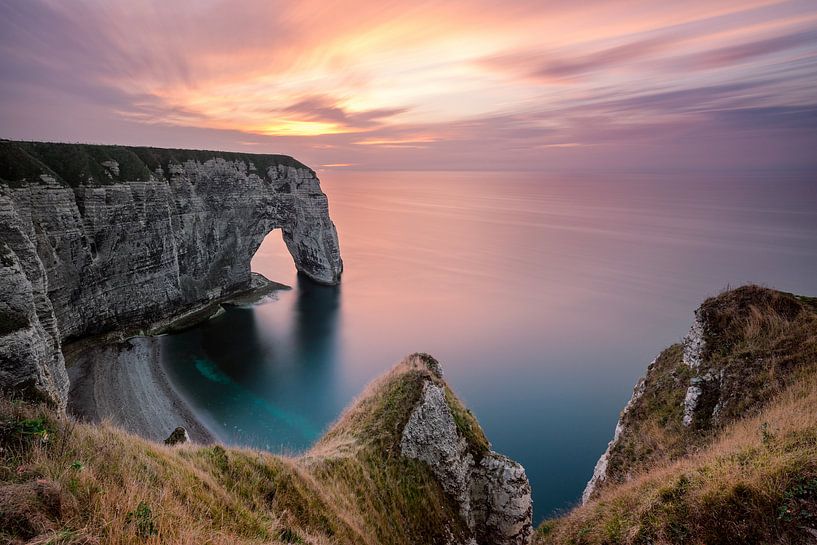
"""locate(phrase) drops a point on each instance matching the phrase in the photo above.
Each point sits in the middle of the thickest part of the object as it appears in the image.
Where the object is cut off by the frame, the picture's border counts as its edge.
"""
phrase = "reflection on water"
(544, 296)
(258, 387)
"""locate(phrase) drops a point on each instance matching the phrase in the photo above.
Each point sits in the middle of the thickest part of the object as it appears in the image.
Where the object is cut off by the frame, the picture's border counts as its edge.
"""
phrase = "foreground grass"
(70, 483)
(756, 484)
(745, 473)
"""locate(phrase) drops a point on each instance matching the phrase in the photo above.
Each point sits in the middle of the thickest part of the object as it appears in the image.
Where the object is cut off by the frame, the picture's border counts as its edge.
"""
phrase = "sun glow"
(525, 80)
(292, 127)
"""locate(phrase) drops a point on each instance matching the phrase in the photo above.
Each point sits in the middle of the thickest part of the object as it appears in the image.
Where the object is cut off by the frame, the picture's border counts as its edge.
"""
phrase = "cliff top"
(719, 442)
(97, 164)
(78, 483)
(379, 415)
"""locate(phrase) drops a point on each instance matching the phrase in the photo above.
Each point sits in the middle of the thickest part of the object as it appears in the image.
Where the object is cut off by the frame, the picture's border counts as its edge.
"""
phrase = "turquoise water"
(545, 297)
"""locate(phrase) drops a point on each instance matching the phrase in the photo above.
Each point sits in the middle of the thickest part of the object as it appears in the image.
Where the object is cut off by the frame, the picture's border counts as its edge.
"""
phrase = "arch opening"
(273, 259)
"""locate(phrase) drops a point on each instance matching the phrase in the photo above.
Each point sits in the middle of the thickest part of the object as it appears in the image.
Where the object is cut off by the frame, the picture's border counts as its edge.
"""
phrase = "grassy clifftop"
(65, 482)
(742, 469)
(78, 164)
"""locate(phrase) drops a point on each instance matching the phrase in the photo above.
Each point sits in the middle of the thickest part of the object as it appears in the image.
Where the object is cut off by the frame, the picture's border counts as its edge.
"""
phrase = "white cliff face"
(31, 362)
(691, 401)
(494, 495)
(501, 501)
(693, 348)
(600, 470)
(431, 436)
(694, 343)
(111, 253)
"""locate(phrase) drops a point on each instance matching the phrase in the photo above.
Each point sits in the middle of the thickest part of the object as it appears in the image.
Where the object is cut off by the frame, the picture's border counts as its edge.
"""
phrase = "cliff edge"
(718, 443)
(101, 238)
(407, 463)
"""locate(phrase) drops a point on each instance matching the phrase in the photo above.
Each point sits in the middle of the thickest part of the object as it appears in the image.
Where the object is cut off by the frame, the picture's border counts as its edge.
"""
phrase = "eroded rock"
(110, 247)
(493, 493)
(178, 436)
(600, 470)
(694, 343)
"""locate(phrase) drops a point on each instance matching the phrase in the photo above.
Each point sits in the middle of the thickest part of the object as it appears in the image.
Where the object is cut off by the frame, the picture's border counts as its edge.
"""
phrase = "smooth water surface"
(545, 297)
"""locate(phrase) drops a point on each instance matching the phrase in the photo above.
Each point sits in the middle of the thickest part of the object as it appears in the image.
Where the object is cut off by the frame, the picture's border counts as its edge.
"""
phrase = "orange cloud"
(358, 78)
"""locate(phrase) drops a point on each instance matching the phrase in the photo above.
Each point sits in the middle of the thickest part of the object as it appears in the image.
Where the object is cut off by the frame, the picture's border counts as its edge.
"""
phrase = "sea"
(545, 295)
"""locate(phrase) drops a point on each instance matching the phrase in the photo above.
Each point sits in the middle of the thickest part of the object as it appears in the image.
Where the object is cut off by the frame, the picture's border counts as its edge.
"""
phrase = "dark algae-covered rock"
(178, 437)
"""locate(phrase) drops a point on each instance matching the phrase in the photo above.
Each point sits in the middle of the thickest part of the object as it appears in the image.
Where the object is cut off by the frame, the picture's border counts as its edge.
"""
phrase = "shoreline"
(119, 376)
(125, 383)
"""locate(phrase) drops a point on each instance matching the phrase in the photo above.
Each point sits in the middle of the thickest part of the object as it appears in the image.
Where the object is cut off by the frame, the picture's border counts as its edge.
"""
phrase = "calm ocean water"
(545, 296)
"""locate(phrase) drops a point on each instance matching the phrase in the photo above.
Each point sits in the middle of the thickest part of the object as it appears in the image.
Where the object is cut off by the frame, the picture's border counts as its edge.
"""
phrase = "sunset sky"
(474, 84)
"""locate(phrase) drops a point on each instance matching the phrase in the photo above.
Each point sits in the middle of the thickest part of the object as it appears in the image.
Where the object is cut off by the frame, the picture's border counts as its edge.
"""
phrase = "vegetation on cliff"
(81, 164)
(66, 482)
(744, 468)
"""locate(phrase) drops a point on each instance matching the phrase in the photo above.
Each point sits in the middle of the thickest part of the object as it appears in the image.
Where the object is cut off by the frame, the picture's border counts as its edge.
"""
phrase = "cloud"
(746, 52)
(325, 108)
(550, 66)
(444, 83)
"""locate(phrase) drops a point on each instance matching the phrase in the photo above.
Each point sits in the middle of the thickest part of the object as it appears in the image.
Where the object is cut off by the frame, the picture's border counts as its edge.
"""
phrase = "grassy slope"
(74, 164)
(748, 476)
(88, 484)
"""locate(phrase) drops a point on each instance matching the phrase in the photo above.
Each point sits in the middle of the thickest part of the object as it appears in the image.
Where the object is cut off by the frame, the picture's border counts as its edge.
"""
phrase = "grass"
(77, 164)
(747, 476)
(75, 483)
(741, 489)
(758, 341)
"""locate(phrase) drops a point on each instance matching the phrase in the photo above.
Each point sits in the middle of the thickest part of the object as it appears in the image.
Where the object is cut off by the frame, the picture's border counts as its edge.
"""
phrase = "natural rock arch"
(111, 238)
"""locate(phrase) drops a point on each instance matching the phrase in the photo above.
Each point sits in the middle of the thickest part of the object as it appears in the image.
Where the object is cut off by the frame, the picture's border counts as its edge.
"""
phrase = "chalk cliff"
(100, 238)
(411, 422)
(743, 347)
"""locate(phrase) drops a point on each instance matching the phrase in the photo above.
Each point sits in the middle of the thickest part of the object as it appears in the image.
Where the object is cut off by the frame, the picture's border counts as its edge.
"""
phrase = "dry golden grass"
(66, 482)
(759, 341)
(749, 477)
(742, 489)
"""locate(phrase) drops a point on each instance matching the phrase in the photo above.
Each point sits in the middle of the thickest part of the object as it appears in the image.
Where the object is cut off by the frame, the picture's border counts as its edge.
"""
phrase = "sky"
(460, 84)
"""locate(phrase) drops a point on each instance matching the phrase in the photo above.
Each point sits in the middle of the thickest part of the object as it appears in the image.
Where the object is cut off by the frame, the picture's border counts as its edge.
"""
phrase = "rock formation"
(743, 347)
(600, 470)
(493, 493)
(410, 434)
(178, 436)
(101, 238)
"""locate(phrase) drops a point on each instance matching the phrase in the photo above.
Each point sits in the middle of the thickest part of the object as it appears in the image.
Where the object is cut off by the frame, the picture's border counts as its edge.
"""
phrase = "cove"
(544, 296)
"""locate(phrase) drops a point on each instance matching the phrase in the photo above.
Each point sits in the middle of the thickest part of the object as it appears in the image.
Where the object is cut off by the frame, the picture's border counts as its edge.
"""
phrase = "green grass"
(77, 164)
(758, 341)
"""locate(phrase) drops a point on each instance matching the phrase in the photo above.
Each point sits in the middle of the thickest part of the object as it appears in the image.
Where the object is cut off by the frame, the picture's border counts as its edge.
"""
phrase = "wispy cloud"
(447, 84)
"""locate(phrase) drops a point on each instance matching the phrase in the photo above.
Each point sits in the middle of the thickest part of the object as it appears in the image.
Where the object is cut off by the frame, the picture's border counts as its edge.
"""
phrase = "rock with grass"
(743, 347)
(489, 493)
(719, 441)
(376, 477)
(178, 436)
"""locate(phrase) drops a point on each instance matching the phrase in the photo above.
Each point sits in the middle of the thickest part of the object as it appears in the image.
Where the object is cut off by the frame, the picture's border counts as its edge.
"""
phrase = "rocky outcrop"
(501, 501)
(743, 347)
(178, 436)
(31, 362)
(112, 238)
(694, 343)
(493, 492)
(600, 471)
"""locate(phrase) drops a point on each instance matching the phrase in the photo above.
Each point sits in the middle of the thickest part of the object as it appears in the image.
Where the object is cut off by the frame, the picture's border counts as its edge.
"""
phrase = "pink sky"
(461, 84)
